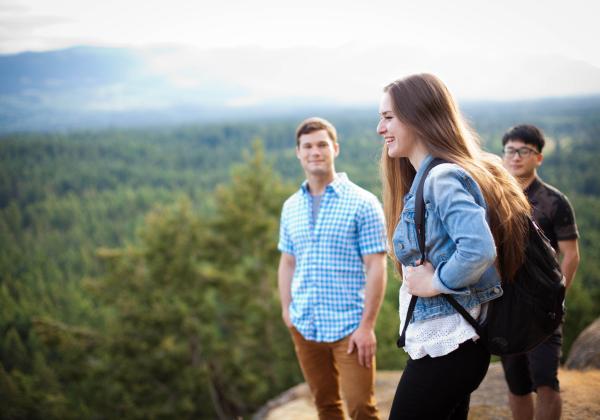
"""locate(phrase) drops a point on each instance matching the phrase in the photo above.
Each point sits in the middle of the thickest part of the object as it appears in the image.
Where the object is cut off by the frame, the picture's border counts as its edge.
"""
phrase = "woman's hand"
(419, 280)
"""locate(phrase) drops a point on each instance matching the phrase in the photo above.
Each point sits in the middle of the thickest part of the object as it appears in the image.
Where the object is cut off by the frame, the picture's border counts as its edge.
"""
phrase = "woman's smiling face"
(399, 138)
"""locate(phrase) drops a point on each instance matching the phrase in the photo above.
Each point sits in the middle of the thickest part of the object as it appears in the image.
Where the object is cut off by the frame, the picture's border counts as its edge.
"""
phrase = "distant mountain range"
(98, 87)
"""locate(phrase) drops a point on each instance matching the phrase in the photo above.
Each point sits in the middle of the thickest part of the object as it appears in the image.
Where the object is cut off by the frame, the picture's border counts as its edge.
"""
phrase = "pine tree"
(12, 402)
(14, 352)
(195, 307)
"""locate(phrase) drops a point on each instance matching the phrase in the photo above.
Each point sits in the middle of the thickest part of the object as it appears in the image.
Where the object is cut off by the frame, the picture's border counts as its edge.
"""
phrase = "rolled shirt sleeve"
(371, 229)
(285, 241)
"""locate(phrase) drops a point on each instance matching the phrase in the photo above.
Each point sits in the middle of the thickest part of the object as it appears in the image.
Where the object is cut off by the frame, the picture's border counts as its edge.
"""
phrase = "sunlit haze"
(482, 49)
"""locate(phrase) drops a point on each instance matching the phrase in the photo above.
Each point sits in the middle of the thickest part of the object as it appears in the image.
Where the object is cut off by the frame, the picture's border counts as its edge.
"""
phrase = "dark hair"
(528, 134)
(313, 124)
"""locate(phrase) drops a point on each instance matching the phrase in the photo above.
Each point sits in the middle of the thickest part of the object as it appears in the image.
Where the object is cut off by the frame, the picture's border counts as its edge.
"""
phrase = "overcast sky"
(462, 32)
(569, 28)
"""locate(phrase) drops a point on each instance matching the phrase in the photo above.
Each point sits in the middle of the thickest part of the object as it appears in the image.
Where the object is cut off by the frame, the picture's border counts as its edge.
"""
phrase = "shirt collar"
(532, 188)
(336, 186)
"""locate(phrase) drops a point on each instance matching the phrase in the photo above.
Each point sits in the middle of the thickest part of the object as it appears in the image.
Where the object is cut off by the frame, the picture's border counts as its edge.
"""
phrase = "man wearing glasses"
(537, 370)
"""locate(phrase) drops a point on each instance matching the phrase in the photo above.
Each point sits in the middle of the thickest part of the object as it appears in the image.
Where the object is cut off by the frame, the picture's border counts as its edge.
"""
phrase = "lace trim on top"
(438, 336)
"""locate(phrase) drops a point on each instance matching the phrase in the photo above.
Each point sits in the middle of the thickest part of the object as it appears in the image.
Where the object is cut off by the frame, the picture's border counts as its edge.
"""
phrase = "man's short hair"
(310, 125)
(528, 134)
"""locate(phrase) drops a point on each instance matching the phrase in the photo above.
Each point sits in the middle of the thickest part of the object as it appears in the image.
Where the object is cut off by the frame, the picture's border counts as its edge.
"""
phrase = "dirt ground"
(580, 392)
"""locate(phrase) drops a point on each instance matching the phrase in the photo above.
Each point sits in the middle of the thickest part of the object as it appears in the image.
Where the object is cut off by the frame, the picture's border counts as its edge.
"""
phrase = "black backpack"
(532, 305)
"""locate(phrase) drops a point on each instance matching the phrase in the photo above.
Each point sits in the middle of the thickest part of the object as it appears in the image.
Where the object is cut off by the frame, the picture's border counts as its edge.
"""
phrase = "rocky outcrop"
(489, 402)
(585, 352)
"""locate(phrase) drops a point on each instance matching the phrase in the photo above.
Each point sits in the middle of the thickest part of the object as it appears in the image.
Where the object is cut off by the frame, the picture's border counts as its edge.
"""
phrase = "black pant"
(440, 387)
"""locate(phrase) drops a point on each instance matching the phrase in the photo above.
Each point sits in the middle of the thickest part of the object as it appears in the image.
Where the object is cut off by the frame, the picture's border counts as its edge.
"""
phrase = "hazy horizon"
(238, 55)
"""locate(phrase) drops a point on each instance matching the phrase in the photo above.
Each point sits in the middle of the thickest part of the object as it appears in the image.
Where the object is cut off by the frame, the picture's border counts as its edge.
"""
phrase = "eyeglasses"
(523, 152)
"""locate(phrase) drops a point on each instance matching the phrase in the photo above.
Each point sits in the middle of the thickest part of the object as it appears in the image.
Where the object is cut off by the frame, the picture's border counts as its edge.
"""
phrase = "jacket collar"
(424, 164)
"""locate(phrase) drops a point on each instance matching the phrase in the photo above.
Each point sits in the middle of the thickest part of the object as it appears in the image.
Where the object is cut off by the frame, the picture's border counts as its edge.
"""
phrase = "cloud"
(10, 7)
(355, 73)
(18, 30)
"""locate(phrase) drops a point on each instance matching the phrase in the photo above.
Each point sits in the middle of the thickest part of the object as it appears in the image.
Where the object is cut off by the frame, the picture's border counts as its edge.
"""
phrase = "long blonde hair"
(423, 103)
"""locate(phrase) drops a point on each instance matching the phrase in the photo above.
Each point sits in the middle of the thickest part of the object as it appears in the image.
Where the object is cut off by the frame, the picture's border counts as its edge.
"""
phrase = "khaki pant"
(326, 366)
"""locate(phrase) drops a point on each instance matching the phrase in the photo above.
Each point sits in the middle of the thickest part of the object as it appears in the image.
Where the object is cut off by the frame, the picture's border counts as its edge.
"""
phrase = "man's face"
(519, 165)
(316, 152)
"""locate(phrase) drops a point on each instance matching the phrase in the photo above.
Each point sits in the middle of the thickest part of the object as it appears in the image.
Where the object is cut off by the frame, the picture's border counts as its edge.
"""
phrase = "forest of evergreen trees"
(138, 267)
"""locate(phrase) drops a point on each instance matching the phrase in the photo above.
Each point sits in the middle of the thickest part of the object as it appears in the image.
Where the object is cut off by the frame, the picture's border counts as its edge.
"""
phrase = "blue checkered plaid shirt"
(329, 280)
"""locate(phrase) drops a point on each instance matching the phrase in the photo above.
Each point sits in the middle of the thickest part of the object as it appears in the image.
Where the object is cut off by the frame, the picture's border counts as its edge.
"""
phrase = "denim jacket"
(458, 241)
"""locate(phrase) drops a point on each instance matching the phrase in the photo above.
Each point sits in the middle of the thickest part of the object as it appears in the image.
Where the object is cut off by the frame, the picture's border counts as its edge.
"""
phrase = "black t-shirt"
(552, 211)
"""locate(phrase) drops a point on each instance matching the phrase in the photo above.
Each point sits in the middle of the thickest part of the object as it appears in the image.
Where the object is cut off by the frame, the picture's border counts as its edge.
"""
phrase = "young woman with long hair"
(475, 213)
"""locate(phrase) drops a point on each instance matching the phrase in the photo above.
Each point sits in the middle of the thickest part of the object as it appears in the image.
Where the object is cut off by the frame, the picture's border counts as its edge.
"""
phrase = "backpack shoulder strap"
(420, 226)
(420, 207)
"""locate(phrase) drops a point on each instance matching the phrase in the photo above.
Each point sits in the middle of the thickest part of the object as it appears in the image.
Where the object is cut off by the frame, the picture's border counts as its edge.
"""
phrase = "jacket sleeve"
(458, 202)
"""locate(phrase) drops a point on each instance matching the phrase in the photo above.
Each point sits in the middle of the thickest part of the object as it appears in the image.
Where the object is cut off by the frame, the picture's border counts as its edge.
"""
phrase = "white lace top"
(435, 337)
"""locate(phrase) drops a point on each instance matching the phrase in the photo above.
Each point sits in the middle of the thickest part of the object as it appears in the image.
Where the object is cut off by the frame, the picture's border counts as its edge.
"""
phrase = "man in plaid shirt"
(332, 276)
